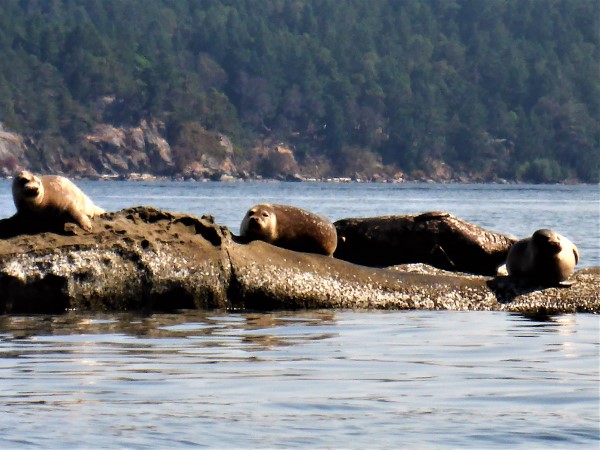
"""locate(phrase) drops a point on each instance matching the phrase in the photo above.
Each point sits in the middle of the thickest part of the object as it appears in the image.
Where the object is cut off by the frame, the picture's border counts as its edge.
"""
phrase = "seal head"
(260, 223)
(27, 188)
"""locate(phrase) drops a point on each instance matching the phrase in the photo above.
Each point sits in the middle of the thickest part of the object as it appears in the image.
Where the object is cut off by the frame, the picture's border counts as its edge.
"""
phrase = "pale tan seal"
(52, 200)
(546, 258)
(289, 227)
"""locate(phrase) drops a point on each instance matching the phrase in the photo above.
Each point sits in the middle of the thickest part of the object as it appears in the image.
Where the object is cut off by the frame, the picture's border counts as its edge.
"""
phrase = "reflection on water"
(322, 378)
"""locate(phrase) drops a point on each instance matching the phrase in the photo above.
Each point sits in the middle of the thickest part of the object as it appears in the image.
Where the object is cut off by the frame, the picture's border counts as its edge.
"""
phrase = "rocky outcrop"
(12, 152)
(214, 158)
(192, 152)
(108, 150)
(122, 150)
(275, 161)
(143, 258)
(136, 259)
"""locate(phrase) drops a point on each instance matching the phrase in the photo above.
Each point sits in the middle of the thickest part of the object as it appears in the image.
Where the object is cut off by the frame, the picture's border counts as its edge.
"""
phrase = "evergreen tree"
(501, 86)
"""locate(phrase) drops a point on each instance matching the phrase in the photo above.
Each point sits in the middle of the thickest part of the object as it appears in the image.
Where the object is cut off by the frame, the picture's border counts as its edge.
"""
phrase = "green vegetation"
(504, 88)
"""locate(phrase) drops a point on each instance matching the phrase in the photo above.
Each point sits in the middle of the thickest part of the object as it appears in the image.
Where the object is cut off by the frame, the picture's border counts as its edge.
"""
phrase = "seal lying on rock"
(435, 238)
(52, 200)
(546, 258)
(289, 227)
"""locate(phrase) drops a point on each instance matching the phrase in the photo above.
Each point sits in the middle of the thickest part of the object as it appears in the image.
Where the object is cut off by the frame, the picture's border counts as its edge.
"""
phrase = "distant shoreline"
(302, 179)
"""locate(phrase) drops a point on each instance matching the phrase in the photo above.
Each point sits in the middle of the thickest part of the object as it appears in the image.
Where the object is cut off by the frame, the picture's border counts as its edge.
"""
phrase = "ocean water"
(306, 379)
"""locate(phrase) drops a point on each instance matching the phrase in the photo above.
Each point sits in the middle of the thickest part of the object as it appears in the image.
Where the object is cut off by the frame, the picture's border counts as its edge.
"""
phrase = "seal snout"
(30, 191)
(29, 188)
(255, 217)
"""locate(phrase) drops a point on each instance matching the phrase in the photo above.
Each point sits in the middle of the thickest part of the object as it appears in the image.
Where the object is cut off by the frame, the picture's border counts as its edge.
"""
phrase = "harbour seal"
(546, 258)
(53, 200)
(438, 239)
(289, 227)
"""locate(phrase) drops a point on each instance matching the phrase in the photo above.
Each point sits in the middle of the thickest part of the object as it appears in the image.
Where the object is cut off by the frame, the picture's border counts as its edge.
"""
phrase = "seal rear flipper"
(576, 254)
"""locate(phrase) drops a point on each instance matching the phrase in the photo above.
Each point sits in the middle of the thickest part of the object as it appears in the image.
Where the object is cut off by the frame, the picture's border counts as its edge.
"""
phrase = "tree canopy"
(507, 87)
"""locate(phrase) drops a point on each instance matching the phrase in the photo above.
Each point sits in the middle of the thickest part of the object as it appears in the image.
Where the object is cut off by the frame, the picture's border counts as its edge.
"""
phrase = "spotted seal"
(52, 200)
(289, 227)
(546, 258)
(435, 238)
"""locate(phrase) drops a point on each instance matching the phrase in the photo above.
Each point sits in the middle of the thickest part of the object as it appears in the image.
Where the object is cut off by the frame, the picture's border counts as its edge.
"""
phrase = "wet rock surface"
(138, 258)
(147, 259)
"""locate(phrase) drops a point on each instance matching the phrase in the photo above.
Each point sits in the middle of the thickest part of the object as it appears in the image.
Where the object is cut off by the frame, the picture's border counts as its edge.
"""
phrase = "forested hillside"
(484, 89)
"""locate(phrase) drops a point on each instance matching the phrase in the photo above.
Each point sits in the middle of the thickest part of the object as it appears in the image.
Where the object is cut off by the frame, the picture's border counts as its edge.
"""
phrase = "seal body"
(289, 227)
(546, 258)
(435, 238)
(53, 200)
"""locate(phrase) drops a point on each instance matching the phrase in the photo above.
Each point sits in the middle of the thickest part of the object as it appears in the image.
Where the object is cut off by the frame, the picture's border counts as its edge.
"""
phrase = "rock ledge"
(147, 259)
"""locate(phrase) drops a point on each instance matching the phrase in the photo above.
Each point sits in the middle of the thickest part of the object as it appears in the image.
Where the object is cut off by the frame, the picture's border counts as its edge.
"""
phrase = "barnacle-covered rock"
(147, 259)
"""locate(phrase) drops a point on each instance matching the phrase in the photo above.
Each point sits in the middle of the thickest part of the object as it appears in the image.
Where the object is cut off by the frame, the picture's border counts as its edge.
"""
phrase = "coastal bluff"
(147, 259)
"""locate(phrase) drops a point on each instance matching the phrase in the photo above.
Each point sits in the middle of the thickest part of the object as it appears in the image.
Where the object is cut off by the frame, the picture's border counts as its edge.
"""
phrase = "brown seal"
(546, 258)
(53, 200)
(289, 227)
(435, 238)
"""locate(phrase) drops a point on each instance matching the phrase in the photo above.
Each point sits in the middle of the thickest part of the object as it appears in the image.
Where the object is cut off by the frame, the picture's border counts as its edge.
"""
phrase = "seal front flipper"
(439, 258)
(81, 219)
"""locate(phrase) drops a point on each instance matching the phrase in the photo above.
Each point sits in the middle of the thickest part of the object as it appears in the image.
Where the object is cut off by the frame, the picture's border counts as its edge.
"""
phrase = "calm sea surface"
(334, 379)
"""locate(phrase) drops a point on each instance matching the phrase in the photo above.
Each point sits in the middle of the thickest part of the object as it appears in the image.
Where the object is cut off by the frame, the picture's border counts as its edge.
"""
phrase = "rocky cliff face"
(123, 150)
(110, 150)
(134, 151)
(12, 152)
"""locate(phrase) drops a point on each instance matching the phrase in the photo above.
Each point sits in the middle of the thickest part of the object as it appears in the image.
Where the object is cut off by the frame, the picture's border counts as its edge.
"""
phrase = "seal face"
(53, 200)
(546, 258)
(289, 227)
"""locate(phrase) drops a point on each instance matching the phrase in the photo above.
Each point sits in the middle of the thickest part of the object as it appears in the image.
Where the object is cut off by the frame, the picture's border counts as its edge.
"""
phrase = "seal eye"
(265, 214)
